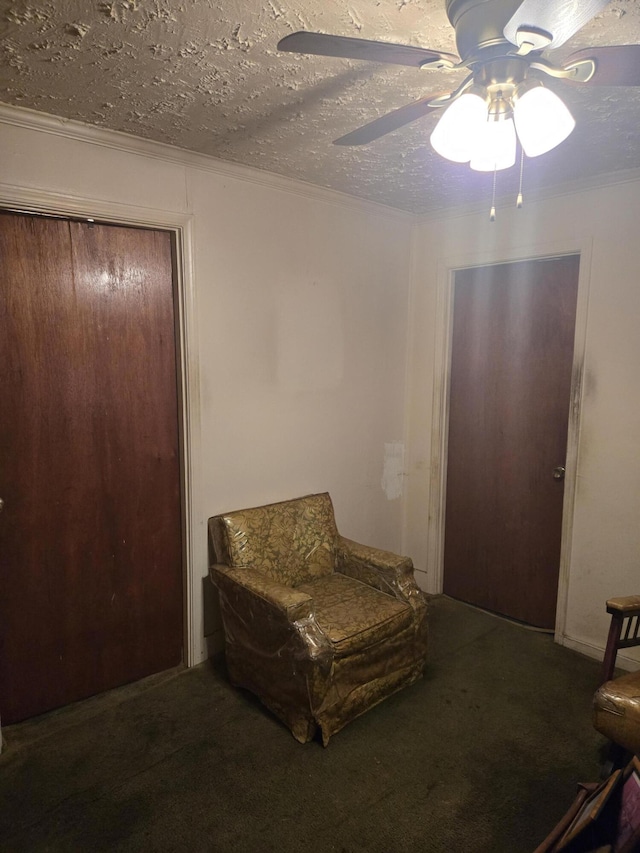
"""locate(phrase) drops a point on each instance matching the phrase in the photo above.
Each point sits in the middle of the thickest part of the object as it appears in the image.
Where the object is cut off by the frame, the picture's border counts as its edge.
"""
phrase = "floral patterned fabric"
(319, 627)
(354, 615)
(293, 603)
(381, 569)
(291, 542)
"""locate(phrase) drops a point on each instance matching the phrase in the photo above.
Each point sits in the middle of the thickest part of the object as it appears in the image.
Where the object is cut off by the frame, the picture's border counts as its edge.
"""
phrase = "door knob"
(1, 504)
(558, 473)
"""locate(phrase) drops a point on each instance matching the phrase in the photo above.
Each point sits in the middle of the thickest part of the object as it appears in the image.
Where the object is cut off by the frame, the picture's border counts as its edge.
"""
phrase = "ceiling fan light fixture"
(455, 134)
(495, 147)
(542, 119)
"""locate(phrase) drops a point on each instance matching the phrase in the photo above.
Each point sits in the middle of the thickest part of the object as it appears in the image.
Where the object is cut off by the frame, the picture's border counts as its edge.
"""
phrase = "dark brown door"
(512, 354)
(90, 532)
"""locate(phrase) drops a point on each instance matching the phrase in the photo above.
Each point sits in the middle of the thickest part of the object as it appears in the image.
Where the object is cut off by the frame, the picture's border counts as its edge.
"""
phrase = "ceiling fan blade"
(616, 65)
(320, 44)
(391, 121)
(560, 18)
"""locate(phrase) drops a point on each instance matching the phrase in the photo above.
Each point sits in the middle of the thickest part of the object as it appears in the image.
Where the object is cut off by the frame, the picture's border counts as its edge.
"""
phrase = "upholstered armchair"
(319, 627)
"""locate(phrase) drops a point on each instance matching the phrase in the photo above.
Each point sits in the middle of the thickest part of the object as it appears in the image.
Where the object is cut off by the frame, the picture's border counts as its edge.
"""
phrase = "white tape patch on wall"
(393, 470)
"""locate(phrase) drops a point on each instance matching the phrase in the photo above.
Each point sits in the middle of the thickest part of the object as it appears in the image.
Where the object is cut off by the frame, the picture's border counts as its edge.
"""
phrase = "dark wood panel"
(90, 538)
(512, 355)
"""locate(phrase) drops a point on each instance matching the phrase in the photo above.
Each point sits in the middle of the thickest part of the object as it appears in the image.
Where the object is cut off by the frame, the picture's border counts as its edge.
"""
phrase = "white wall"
(302, 338)
(602, 545)
(297, 304)
(299, 314)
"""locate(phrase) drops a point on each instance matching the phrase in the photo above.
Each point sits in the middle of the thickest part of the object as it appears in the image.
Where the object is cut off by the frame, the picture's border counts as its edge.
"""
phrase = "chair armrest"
(276, 597)
(256, 607)
(628, 605)
(625, 613)
(383, 570)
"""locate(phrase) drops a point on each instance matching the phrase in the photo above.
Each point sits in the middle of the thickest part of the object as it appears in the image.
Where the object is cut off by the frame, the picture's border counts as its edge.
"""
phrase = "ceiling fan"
(504, 97)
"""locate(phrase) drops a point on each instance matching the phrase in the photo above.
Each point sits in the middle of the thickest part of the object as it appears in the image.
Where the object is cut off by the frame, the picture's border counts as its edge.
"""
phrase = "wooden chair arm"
(628, 605)
(625, 609)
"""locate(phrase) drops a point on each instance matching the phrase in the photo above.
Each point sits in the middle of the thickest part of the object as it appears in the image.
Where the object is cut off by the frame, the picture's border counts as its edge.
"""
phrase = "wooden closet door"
(512, 357)
(90, 533)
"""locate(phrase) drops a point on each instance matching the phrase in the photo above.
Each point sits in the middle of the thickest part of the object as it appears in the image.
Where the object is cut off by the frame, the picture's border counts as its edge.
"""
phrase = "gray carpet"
(483, 754)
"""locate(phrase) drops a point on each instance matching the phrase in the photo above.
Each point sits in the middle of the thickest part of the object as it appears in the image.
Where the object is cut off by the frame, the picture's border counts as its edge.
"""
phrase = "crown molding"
(105, 138)
(114, 139)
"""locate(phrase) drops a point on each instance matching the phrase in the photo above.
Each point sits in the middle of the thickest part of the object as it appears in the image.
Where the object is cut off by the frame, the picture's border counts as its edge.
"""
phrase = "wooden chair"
(616, 709)
(616, 704)
(625, 613)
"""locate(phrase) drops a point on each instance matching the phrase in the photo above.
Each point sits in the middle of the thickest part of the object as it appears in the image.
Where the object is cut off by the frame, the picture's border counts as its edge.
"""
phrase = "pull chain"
(519, 198)
(492, 212)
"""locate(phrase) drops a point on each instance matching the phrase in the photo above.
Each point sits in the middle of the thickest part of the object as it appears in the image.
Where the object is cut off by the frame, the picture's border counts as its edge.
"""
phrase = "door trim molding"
(447, 267)
(25, 200)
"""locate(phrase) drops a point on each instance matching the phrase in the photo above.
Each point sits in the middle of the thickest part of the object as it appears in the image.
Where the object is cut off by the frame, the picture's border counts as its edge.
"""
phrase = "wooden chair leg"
(611, 651)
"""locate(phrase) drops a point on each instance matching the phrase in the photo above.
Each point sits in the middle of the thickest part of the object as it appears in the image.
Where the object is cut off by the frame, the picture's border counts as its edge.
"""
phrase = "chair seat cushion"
(354, 615)
(616, 707)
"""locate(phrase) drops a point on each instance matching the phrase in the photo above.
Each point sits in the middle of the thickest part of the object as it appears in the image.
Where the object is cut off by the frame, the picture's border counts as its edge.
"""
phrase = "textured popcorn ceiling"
(206, 76)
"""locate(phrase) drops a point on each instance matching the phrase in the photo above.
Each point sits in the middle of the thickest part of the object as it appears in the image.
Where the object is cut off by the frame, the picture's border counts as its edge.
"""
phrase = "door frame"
(447, 268)
(23, 200)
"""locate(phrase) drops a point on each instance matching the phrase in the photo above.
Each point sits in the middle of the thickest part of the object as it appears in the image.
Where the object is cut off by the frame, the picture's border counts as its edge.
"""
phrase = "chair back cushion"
(292, 542)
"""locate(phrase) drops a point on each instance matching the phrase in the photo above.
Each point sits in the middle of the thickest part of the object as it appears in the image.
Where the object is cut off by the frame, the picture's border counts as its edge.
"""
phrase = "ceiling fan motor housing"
(497, 72)
(479, 26)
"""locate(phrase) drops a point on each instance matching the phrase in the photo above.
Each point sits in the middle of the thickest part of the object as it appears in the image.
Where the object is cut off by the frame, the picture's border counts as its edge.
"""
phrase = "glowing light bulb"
(542, 120)
(495, 147)
(454, 135)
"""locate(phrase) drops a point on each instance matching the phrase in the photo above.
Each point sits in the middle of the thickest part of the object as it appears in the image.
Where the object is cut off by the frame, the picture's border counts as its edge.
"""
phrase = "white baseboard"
(591, 651)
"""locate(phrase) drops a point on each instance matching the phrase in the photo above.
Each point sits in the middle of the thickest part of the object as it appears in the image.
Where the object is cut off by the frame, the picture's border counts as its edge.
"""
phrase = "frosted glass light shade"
(495, 146)
(542, 121)
(455, 134)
